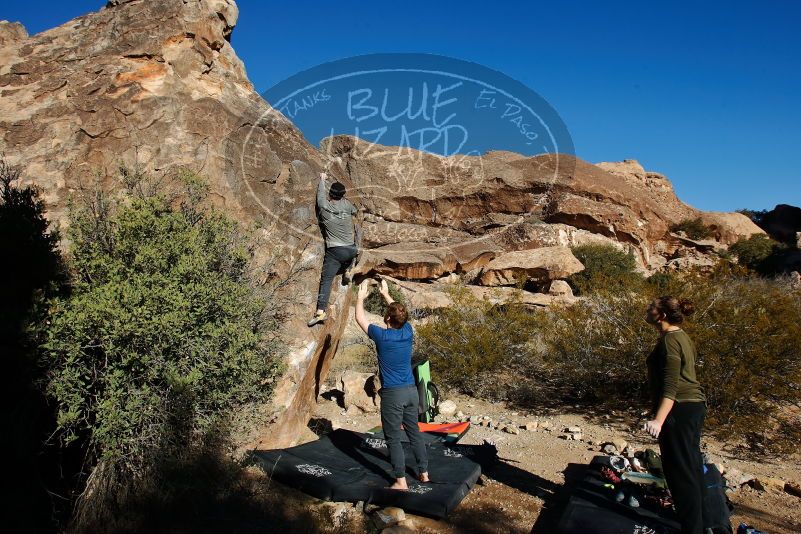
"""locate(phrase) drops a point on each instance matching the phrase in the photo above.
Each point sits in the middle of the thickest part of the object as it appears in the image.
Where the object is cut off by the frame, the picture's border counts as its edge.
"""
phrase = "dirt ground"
(527, 490)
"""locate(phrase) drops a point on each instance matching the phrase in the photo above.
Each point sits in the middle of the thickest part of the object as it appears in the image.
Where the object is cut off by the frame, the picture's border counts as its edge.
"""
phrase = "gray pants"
(399, 405)
(336, 260)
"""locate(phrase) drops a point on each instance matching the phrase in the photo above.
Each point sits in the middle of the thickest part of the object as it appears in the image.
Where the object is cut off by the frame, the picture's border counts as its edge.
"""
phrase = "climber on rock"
(335, 214)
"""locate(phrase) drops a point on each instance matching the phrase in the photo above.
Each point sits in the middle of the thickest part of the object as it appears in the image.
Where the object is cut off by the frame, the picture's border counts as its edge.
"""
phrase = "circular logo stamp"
(421, 127)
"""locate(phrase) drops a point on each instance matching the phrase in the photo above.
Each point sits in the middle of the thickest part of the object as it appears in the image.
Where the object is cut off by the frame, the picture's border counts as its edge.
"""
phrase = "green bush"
(757, 252)
(163, 334)
(606, 270)
(32, 273)
(375, 303)
(748, 336)
(475, 346)
(692, 228)
(747, 331)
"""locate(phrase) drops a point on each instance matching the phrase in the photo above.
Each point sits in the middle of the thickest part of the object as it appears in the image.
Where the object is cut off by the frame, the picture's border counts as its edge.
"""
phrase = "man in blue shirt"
(399, 398)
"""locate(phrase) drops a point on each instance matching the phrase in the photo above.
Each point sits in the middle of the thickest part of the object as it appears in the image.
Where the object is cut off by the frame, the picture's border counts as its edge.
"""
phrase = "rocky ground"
(527, 490)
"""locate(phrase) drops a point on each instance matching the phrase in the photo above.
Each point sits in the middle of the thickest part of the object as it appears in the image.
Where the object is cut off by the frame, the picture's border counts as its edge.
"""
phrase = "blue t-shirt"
(394, 346)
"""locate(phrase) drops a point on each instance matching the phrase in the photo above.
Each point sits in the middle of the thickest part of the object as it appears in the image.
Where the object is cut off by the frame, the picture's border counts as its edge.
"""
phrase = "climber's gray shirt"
(336, 217)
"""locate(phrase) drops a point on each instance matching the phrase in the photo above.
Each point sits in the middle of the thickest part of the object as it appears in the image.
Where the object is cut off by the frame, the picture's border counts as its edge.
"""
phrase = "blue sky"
(708, 93)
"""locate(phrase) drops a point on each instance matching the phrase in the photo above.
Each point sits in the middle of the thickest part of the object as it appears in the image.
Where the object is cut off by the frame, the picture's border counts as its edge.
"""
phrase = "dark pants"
(683, 464)
(336, 260)
(399, 405)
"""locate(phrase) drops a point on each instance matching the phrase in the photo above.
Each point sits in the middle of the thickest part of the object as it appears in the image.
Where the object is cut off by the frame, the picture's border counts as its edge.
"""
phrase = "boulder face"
(783, 223)
(541, 265)
(155, 85)
(499, 202)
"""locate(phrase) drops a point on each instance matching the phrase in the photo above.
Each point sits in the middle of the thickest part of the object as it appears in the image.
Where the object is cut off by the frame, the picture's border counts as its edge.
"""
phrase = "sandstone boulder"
(783, 223)
(540, 265)
(156, 86)
(728, 228)
(360, 390)
(560, 288)
(11, 32)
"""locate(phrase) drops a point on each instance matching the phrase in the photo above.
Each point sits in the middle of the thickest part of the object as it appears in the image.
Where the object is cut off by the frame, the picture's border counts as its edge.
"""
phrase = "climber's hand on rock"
(384, 288)
(323, 176)
(364, 288)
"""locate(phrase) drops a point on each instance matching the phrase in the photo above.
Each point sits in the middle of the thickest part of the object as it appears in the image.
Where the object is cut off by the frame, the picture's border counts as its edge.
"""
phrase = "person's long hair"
(674, 309)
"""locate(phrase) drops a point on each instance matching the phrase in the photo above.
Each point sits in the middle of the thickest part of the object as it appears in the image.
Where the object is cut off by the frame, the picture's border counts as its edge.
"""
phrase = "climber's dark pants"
(683, 464)
(336, 260)
(399, 405)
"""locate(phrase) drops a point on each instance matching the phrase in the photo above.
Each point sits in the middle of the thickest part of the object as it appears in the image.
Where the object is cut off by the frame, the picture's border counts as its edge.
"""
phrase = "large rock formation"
(459, 212)
(156, 85)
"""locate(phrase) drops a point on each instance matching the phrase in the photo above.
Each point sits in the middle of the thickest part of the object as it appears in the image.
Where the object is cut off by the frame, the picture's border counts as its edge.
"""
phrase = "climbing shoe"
(319, 317)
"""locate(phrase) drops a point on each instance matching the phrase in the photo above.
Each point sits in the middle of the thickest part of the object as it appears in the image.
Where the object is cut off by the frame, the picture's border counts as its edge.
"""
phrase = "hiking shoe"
(620, 496)
(319, 317)
(634, 503)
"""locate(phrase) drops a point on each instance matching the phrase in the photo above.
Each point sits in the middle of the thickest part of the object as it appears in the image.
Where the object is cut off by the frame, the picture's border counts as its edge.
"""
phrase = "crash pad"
(450, 432)
(592, 509)
(352, 466)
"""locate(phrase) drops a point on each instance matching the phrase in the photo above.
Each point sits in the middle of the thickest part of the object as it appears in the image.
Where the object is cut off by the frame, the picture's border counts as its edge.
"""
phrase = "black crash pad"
(350, 466)
(592, 509)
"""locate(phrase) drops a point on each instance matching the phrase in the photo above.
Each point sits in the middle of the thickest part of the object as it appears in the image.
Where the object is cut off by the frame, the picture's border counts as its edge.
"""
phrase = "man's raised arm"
(322, 194)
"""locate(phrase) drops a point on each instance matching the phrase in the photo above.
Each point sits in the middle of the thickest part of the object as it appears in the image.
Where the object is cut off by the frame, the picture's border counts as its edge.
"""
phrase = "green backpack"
(427, 391)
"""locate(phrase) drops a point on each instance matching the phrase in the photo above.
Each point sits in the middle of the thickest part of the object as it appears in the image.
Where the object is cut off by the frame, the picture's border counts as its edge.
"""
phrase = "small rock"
(573, 429)
(628, 452)
(530, 425)
(771, 484)
(460, 414)
(736, 478)
(619, 443)
(609, 449)
(447, 408)
(388, 516)
(545, 426)
(578, 436)
(793, 489)
(510, 429)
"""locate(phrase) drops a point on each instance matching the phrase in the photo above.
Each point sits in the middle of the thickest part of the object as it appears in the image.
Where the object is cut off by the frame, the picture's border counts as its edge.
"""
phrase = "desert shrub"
(474, 345)
(374, 303)
(32, 273)
(692, 228)
(747, 332)
(757, 252)
(164, 333)
(606, 269)
(662, 280)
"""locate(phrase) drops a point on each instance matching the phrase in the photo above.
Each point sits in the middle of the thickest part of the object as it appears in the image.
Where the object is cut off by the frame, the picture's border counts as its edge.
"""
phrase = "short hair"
(396, 314)
(337, 190)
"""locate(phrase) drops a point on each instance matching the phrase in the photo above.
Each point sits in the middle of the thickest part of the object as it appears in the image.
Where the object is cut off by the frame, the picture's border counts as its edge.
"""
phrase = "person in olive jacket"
(679, 407)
